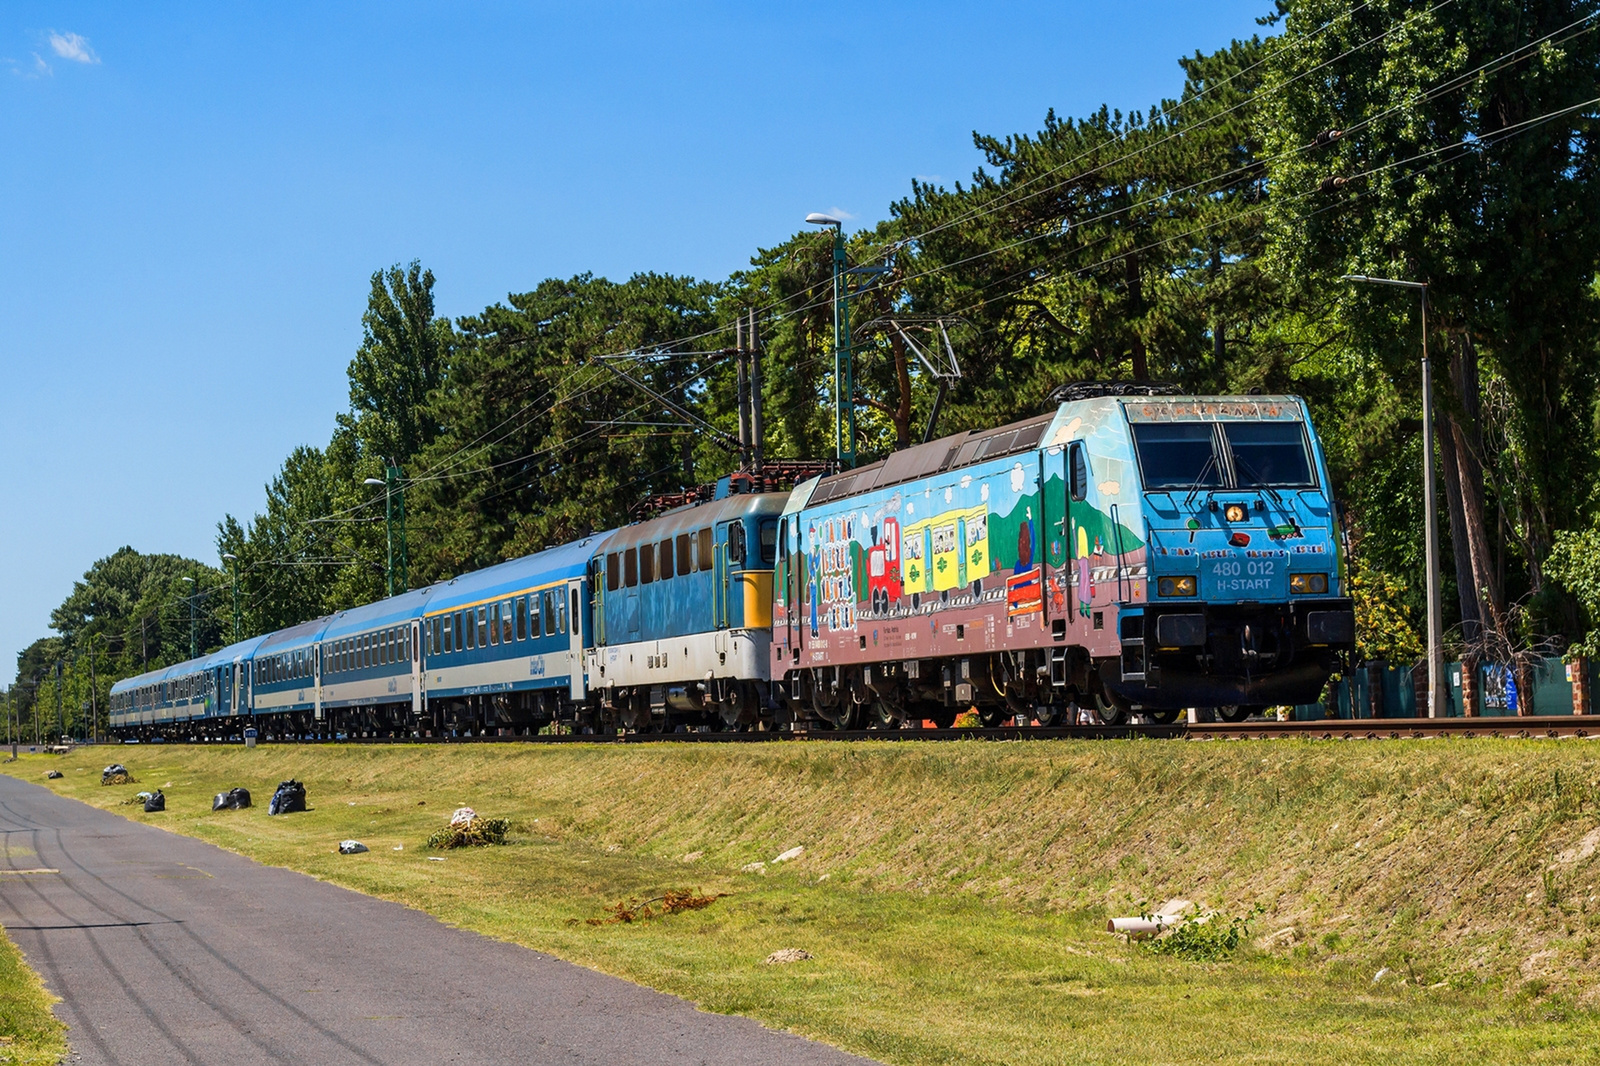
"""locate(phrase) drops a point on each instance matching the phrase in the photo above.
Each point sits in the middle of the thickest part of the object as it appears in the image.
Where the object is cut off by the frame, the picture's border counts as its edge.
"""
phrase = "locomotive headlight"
(1308, 584)
(1175, 586)
(1235, 512)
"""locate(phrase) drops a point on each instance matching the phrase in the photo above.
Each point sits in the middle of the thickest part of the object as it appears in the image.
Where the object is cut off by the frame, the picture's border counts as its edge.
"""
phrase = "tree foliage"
(1199, 241)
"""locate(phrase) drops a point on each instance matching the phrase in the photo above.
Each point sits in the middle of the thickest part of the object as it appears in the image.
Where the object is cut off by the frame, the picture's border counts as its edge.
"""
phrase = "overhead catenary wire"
(1440, 151)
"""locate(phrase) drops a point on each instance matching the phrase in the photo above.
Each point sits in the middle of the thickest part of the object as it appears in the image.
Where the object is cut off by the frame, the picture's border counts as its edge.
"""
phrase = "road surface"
(165, 949)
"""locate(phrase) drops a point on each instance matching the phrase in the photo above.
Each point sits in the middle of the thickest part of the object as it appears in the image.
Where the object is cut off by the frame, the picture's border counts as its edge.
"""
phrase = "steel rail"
(1545, 727)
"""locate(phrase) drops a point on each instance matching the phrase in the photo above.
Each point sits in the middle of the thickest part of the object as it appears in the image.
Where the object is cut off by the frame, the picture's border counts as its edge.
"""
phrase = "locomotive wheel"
(1163, 717)
(849, 715)
(1235, 712)
(993, 717)
(1111, 713)
(1047, 714)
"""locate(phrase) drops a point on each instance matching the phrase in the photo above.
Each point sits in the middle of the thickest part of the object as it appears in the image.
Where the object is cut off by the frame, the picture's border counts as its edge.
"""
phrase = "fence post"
(1578, 672)
(1469, 687)
(1524, 677)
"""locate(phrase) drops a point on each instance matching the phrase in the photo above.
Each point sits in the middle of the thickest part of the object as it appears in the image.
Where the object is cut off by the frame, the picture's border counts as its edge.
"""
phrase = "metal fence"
(1536, 686)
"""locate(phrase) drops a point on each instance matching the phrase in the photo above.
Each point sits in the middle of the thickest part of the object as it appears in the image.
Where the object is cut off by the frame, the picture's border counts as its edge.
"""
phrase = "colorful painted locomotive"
(1129, 553)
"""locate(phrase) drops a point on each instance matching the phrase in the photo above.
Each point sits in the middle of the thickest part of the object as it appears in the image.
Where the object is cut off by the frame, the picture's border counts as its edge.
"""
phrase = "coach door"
(419, 698)
(576, 665)
(316, 680)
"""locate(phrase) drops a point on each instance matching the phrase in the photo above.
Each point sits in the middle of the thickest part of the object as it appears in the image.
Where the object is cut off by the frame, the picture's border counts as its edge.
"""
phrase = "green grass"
(954, 895)
(29, 1033)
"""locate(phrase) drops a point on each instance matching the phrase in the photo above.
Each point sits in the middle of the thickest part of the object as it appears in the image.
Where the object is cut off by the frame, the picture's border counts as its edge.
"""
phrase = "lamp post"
(1430, 516)
(61, 722)
(394, 515)
(233, 567)
(844, 372)
(194, 651)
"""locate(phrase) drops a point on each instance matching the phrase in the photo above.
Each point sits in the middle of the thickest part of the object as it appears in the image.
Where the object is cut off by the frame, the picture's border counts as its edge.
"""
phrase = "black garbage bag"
(157, 801)
(235, 799)
(54, 774)
(291, 796)
(116, 774)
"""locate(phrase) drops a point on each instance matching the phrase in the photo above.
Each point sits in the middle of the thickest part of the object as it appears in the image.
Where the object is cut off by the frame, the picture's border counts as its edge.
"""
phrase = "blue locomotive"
(1137, 554)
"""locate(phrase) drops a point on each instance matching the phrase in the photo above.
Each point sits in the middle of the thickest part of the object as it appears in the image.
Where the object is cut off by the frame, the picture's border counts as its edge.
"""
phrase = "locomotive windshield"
(1177, 455)
(1183, 455)
(1268, 453)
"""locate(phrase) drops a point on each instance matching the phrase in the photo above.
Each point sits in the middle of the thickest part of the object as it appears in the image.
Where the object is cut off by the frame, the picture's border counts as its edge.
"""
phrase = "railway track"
(1555, 727)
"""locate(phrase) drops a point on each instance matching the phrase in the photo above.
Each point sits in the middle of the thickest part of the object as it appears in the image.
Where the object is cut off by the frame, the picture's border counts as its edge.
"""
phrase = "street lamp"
(394, 513)
(844, 373)
(1430, 516)
(234, 559)
(194, 651)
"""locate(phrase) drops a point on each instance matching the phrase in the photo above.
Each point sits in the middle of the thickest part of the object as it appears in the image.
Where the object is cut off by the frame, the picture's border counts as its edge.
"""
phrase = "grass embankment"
(29, 1034)
(954, 895)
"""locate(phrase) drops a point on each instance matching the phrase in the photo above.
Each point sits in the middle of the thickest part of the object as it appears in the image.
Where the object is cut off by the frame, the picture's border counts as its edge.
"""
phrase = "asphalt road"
(165, 949)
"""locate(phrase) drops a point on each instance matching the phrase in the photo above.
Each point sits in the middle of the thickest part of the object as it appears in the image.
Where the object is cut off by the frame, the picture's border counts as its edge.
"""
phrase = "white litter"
(351, 847)
(463, 815)
(792, 853)
(436, 858)
(752, 867)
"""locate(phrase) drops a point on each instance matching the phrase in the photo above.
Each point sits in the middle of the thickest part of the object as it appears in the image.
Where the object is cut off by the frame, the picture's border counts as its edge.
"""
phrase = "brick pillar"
(1469, 687)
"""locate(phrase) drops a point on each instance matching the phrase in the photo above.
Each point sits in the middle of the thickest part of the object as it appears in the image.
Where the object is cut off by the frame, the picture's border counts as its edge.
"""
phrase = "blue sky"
(194, 196)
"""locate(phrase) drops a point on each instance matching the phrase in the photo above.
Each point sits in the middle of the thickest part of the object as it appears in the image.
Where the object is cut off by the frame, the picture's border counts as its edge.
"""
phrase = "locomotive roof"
(946, 453)
(685, 519)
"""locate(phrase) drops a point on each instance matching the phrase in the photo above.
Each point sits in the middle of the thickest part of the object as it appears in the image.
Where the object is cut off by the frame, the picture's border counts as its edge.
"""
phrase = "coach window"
(405, 644)
(613, 572)
(483, 626)
(505, 622)
(522, 618)
(461, 639)
(685, 555)
(533, 614)
(705, 549)
(552, 621)
(559, 602)
(630, 567)
(494, 623)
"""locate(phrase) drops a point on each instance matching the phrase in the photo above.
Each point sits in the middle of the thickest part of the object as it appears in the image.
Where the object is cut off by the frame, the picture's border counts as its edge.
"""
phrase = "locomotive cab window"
(769, 540)
(1177, 455)
(1269, 453)
(1079, 471)
(613, 572)
(736, 543)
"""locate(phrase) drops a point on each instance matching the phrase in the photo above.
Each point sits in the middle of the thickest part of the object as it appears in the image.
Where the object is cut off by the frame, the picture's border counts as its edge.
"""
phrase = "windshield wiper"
(1260, 482)
(1200, 479)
